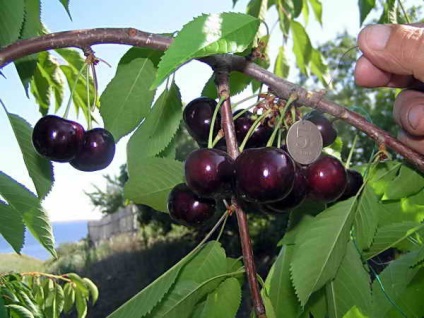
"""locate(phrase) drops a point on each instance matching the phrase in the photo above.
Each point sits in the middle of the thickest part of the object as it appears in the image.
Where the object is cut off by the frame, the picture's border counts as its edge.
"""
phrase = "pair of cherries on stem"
(62, 140)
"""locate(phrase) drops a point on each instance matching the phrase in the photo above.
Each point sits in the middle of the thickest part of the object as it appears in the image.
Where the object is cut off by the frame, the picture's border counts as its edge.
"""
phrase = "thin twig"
(227, 123)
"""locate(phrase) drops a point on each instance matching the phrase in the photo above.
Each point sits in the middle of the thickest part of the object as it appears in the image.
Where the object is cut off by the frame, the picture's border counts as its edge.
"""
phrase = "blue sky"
(67, 200)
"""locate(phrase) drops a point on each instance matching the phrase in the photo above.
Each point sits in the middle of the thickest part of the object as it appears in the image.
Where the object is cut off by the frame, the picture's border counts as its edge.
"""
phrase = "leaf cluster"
(39, 295)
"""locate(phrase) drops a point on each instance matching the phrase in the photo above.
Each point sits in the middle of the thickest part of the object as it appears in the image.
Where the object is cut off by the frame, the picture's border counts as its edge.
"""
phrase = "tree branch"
(227, 123)
(86, 38)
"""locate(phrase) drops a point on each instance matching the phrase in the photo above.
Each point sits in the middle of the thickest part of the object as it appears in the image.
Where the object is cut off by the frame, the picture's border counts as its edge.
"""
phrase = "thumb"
(397, 49)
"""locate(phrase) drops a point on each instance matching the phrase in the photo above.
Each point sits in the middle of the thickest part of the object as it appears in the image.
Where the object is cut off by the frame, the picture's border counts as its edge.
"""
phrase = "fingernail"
(377, 36)
(416, 116)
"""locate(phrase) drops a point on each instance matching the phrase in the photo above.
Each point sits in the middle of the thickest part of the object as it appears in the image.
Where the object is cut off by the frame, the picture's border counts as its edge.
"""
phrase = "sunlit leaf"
(317, 9)
(12, 227)
(406, 183)
(65, 4)
(224, 301)
(34, 216)
(151, 180)
(366, 219)
(350, 287)
(207, 35)
(39, 169)
(365, 7)
(302, 46)
(320, 248)
(390, 235)
(127, 98)
(281, 67)
(151, 138)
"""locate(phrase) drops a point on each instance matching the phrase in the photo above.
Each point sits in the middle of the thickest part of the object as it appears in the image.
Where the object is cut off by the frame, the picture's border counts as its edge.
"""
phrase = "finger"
(408, 112)
(416, 143)
(396, 49)
(368, 75)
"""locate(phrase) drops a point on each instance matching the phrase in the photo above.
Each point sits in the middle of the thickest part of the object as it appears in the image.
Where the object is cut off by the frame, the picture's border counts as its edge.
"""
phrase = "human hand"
(393, 56)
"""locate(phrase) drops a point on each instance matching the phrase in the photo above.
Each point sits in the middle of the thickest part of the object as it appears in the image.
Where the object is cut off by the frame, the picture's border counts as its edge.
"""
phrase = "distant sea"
(64, 232)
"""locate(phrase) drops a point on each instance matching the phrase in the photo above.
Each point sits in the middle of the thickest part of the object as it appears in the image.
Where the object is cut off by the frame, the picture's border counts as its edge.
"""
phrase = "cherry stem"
(227, 123)
(253, 127)
(352, 149)
(246, 109)
(277, 128)
(211, 129)
(74, 87)
(89, 124)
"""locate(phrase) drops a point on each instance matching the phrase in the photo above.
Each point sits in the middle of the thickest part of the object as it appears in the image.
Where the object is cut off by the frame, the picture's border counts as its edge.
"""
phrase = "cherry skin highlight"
(57, 139)
(197, 116)
(97, 151)
(327, 179)
(264, 174)
(210, 173)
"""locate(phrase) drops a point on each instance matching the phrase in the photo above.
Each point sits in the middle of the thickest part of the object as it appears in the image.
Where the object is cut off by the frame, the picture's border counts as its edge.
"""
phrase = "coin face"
(304, 142)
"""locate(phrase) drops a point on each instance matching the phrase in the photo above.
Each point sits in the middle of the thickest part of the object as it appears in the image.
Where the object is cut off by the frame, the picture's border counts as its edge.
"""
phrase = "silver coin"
(304, 142)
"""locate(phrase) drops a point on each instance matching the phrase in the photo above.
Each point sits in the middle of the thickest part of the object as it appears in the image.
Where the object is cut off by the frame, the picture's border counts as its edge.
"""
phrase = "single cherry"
(354, 183)
(264, 174)
(327, 179)
(209, 173)
(260, 135)
(188, 208)
(57, 139)
(97, 151)
(198, 115)
(328, 133)
(295, 197)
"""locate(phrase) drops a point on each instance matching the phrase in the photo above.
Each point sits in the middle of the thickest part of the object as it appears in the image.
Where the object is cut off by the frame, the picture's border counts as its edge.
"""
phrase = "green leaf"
(320, 248)
(151, 180)
(65, 4)
(11, 19)
(365, 7)
(80, 303)
(207, 35)
(351, 286)
(3, 311)
(69, 297)
(407, 182)
(410, 301)
(79, 284)
(12, 227)
(279, 286)
(302, 46)
(317, 9)
(224, 301)
(59, 298)
(151, 138)
(39, 169)
(319, 68)
(24, 201)
(48, 78)
(141, 52)
(127, 98)
(92, 288)
(281, 67)
(19, 311)
(390, 235)
(366, 219)
(395, 278)
(209, 262)
(257, 8)
(381, 175)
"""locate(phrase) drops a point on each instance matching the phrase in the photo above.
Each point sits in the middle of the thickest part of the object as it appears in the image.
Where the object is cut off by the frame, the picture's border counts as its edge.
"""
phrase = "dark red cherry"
(97, 151)
(188, 208)
(57, 139)
(264, 174)
(354, 183)
(209, 173)
(295, 197)
(197, 117)
(260, 135)
(328, 133)
(327, 179)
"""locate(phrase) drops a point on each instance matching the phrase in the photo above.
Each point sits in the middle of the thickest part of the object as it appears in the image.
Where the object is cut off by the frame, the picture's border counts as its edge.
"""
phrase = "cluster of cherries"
(62, 140)
(262, 178)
